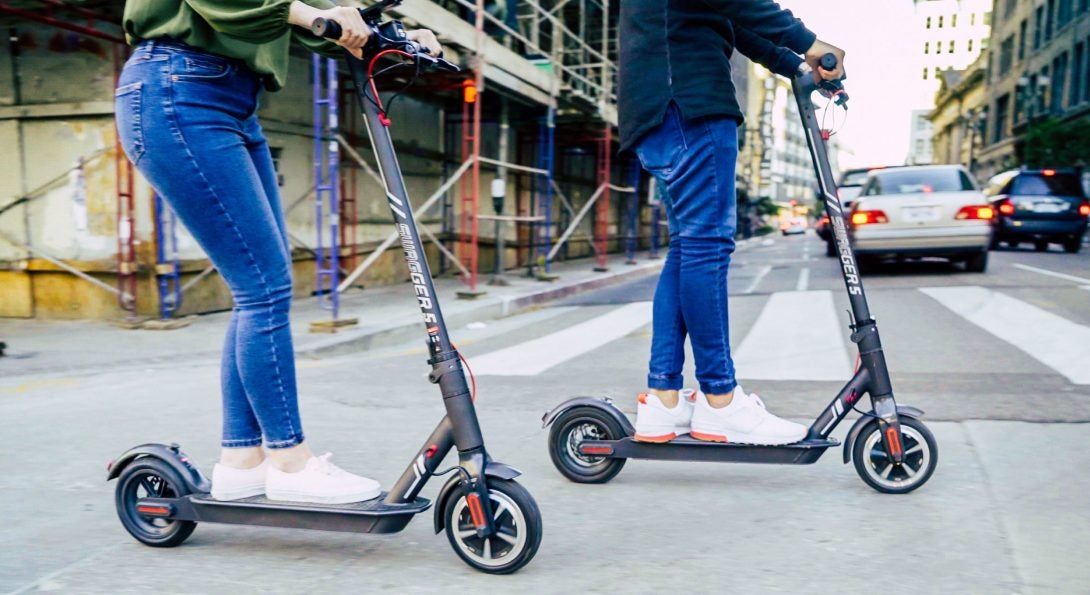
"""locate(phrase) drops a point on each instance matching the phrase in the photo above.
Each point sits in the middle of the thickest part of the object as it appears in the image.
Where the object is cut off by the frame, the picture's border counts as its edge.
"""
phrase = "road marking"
(535, 356)
(804, 280)
(1054, 341)
(1065, 276)
(796, 337)
(757, 280)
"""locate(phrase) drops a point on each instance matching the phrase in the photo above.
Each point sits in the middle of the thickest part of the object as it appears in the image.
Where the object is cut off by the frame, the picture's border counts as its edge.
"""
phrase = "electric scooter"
(491, 521)
(591, 439)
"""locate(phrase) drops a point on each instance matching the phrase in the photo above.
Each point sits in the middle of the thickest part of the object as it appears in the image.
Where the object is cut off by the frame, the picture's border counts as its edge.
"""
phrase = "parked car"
(851, 183)
(916, 211)
(1042, 206)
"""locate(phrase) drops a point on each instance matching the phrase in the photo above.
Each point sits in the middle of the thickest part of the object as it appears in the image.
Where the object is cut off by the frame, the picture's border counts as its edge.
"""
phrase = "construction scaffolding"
(537, 76)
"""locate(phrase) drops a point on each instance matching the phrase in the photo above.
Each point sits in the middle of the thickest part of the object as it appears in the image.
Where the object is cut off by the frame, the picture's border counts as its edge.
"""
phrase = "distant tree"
(1052, 143)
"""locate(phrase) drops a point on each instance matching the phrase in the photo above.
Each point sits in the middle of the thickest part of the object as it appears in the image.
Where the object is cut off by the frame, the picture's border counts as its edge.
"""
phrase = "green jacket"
(253, 31)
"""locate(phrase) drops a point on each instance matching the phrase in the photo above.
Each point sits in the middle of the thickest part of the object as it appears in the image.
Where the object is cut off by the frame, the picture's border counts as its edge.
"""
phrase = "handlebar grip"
(327, 28)
(828, 61)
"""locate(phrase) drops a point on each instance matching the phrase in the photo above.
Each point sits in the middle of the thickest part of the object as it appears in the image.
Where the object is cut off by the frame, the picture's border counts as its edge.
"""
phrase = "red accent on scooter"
(475, 511)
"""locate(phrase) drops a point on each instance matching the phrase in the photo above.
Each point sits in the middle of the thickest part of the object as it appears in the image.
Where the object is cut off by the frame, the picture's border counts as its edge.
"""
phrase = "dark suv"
(1040, 206)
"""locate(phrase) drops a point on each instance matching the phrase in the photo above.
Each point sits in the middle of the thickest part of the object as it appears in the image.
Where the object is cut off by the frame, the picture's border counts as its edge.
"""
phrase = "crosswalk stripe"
(796, 337)
(536, 356)
(1039, 271)
(1054, 341)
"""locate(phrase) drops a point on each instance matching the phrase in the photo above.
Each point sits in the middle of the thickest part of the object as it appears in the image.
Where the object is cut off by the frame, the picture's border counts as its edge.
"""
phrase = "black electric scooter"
(893, 450)
(492, 522)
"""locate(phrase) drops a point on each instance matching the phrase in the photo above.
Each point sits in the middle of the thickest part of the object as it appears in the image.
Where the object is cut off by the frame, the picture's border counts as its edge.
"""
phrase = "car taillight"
(868, 217)
(975, 212)
(1084, 209)
(1006, 206)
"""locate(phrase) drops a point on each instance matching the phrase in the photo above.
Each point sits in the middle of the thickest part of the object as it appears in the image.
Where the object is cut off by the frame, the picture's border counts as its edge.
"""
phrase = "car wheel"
(1072, 245)
(1040, 246)
(977, 263)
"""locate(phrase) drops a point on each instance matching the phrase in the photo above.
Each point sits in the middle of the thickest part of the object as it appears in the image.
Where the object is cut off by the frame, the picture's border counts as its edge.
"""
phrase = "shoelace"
(326, 466)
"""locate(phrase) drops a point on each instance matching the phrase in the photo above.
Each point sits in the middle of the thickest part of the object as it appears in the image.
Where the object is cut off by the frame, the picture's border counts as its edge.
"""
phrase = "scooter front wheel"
(572, 428)
(149, 477)
(877, 469)
(517, 522)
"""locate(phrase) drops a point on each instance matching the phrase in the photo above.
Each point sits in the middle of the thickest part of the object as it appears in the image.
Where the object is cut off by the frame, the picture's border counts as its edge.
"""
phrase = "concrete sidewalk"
(386, 315)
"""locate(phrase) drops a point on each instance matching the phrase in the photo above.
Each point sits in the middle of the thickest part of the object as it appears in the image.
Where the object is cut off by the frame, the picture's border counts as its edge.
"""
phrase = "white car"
(927, 210)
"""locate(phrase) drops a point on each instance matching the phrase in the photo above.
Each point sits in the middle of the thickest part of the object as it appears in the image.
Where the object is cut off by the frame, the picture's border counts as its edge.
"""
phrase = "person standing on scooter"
(186, 107)
(679, 114)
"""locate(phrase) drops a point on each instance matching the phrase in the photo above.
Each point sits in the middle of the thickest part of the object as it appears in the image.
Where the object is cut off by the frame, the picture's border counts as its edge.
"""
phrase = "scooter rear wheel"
(517, 520)
(149, 477)
(878, 471)
(571, 428)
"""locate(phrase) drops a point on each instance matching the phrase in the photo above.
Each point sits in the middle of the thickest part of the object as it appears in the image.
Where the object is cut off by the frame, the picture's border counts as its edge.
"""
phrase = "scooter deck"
(687, 448)
(370, 516)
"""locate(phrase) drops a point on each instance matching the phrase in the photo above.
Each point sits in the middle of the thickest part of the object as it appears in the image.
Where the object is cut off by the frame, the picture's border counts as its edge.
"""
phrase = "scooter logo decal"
(419, 470)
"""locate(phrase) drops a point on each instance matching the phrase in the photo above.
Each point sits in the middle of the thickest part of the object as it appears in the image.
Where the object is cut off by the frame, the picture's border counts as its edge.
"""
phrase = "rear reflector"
(1006, 207)
(975, 212)
(1048, 172)
(1084, 209)
(869, 217)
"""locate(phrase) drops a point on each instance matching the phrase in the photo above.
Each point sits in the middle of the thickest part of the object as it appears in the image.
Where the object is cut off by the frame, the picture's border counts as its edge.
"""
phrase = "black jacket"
(679, 50)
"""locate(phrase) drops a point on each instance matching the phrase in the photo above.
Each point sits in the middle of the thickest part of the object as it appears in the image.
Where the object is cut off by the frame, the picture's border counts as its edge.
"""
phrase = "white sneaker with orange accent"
(656, 422)
(745, 420)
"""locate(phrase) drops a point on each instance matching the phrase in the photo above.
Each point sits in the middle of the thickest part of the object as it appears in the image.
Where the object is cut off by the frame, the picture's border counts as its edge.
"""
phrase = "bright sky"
(880, 40)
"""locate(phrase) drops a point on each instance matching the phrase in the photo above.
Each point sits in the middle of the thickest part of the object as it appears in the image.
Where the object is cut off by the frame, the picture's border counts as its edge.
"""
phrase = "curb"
(352, 341)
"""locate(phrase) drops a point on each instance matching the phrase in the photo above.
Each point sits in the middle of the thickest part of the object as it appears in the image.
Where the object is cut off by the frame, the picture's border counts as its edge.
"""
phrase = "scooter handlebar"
(330, 29)
(834, 87)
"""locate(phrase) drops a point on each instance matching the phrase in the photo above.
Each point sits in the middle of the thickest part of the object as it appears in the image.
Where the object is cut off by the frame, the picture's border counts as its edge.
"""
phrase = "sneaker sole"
(753, 440)
(238, 493)
(655, 439)
(315, 499)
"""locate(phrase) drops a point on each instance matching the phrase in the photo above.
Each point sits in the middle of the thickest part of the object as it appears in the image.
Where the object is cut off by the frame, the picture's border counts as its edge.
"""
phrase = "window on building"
(954, 19)
(1065, 13)
(1041, 92)
(1009, 8)
(1022, 40)
(928, 22)
(951, 48)
(972, 19)
(925, 73)
(984, 43)
(1050, 19)
(987, 20)
(1059, 78)
(999, 131)
(1086, 70)
(1019, 105)
(970, 49)
(1006, 55)
(1084, 5)
(940, 21)
(937, 72)
(926, 47)
(1078, 74)
(1038, 26)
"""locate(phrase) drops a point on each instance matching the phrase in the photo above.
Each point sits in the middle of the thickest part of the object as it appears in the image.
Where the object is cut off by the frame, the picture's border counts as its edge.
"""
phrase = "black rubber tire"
(153, 532)
(977, 263)
(1040, 246)
(1072, 245)
(927, 464)
(994, 243)
(511, 494)
(830, 249)
(590, 470)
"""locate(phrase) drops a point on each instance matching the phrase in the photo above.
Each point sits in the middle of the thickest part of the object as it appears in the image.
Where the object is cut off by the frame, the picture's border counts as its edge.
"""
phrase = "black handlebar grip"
(828, 61)
(328, 28)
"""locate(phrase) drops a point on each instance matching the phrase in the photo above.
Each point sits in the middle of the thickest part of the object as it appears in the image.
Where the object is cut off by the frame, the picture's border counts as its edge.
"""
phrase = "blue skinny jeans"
(188, 122)
(694, 161)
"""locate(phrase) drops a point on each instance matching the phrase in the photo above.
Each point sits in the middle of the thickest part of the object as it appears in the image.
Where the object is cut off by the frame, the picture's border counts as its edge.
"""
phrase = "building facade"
(1038, 67)
(951, 34)
(958, 118)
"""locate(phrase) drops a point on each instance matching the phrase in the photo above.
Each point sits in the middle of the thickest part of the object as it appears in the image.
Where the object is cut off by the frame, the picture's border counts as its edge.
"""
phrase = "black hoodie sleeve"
(779, 60)
(765, 18)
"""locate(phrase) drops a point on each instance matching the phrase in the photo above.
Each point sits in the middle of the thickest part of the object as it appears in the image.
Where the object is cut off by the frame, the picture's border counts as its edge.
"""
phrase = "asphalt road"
(998, 361)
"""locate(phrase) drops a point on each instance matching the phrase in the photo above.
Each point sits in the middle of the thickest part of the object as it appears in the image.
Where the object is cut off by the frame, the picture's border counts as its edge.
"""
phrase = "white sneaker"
(656, 422)
(745, 420)
(320, 481)
(229, 483)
